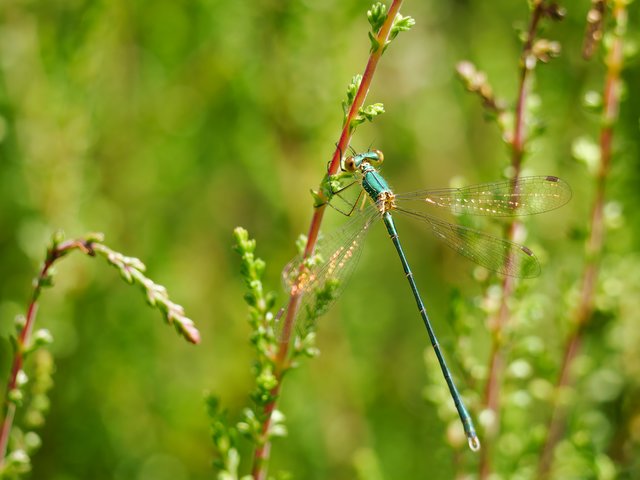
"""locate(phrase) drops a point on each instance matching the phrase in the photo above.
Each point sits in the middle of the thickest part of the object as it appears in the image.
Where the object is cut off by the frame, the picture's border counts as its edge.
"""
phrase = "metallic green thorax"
(372, 182)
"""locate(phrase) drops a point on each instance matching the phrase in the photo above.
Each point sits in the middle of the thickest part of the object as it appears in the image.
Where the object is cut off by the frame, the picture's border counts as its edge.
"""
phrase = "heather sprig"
(503, 301)
(533, 389)
(258, 424)
(28, 392)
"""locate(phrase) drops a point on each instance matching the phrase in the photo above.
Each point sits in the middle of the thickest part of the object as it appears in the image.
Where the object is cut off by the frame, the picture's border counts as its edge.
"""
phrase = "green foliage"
(324, 296)
(28, 396)
(476, 81)
(321, 298)
(255, 424)
(32, 398)
(352, 90)
(225, 439)
(261, 303)
(132, 271)
(167, 126)
(260, 422)
(560, 392)
(377, 16)
(329, 186)
(400, 24)
(367, 113)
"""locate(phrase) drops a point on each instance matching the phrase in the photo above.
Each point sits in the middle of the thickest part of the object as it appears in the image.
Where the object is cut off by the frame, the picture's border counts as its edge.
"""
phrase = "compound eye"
(380, 158)
(350, 164)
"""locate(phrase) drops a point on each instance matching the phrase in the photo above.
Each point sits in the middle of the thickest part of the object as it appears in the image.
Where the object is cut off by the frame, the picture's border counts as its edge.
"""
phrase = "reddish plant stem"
(499, 321)
(263, 450)
(25, 335)
(595, 24)
(595, 242)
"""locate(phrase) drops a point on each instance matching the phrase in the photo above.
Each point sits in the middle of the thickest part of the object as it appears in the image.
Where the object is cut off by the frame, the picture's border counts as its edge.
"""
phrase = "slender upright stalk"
(261, 455)
(595, 242)
(24, 338)
(498, 322)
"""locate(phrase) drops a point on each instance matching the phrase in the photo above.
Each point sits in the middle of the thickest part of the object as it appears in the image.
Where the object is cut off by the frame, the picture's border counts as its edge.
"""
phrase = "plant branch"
(262, 453)
(131, 270)
(595, 242)
(23, 340)
(518, 141)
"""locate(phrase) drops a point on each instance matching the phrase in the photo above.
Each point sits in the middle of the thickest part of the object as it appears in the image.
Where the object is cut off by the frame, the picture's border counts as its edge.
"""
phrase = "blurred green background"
(166, 123)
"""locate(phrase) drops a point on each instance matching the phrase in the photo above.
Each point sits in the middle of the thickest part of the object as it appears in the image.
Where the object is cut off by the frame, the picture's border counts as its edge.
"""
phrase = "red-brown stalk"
(261, 455)
(25, 336)
(595, 242)
(499, 321)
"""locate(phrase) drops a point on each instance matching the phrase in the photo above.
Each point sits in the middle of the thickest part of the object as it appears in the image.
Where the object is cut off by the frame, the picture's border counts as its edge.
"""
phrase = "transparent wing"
(320, 279)
(522, 196)
(493, 253)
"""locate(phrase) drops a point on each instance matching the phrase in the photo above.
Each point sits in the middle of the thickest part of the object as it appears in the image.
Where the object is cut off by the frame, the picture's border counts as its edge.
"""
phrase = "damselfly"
(319, 279)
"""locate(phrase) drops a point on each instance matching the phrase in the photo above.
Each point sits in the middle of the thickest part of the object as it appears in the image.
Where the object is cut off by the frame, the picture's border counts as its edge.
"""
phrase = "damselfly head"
(361, 160)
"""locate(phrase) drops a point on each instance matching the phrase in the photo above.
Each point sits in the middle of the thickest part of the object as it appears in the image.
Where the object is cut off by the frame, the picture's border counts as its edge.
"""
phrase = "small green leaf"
(271, 299)
(318, 199)
(47, 280)
(367, 113)
(15, 395)
(259, 266)
(375, 44)
(57, 238)
(243, 243)
(135, 263)
(94, 237)
(267, 380)
(352, 90)
(125, 273)
(240, 234)
(371, 111)
(400, 24)
(329, 186)
(376, 16)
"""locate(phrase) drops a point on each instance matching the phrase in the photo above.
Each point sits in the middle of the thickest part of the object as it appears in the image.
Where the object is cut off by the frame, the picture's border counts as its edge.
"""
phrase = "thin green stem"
(262, 452)
(595, 243)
